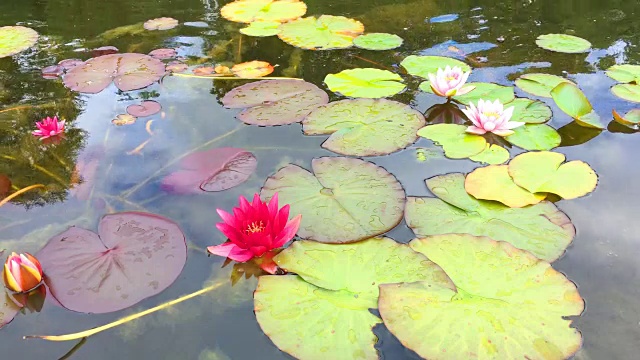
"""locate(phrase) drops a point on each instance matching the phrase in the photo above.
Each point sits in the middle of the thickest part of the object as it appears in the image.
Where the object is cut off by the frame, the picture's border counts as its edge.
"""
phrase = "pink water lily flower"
(491, 117)
(254, 230)
(22, 272)
(449, 82)
(49, 127)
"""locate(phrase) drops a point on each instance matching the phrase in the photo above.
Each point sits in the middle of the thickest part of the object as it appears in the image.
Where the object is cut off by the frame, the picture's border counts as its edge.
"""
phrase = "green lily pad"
(422, 66)
(261, 28)
(563, 43)
(629, 92)
(493, 154)
(544, 171)
(494, 183)
(378, 41)
(530, 111)
(574, 103)
(323, 33)
(343, 200)
(365, 83)
(323, 312)
(535, 137)
(630, 119)
(506, 304)
(247, 11)
(624, 73)
(455, 141)
(486, 91)
(365, 127)
(541, 229)
(539, 84)
(15, 39)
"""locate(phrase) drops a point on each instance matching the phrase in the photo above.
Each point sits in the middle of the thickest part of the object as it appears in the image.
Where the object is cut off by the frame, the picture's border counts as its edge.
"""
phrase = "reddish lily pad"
(145, 108)
(163, 23)
(177, 67)
(211, 170)
(15, 39)
(5, 185)
(204, 70)
(162, 54)
(323, 33)
(69, 64)
(52, 72)
(124, 119)
(252, 69)
(275, 102)
(105, 50)
(132, 257)
(127, 71)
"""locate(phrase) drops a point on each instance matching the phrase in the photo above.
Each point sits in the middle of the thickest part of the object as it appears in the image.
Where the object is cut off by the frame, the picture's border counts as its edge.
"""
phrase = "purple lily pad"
(163, 23)
(69, 64)
(105, 50)
(52, 72)
(162, 54)
(177, 67)
(134, 256)
(145, 108)
(211, 170)
(128, 71)
(275, 102)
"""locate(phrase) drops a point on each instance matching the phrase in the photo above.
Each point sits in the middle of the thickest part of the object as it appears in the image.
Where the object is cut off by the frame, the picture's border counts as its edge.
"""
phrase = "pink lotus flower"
(49, 127)
(22, 273)
(491, 117)
(254, 230)
(449, 82)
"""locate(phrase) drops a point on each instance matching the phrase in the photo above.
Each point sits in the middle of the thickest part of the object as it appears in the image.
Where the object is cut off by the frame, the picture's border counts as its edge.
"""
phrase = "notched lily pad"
(343, 200)
(492, 154)
(275, 102)
(422, 66)
(456, 142)
(145, 108)
(323, 33)
(530, 111)
(365, 83)
(629, 92)
(247, 11)
(535, 137)
(494, 183)
(563, 43)
(574, 103)
(484, 91)
(378, 41)
(15, 39)
(625, 73)
(163, 23)
(365, 127)
(261, 28)
(539, 84)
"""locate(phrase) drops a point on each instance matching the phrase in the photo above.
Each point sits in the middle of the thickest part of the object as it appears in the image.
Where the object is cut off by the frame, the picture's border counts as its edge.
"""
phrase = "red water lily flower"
(49, 127)
(254, 230)
(22, 272)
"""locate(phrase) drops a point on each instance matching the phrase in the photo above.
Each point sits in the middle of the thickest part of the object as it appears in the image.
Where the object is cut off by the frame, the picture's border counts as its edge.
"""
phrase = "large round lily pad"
(535, 137)
(128, 71)
(506, 304)
(563, 43)
(422, 66)
(365, 127)
(275, 102)
(378, 41)
(485, 91)
(530, 111)
(133, 256)
(323, 33)
(15, 39)
(261, 28)
(624, 73)
(541, 229)
(343, 200)
(456, 142)
(539, 84)
(574, 103)
(494, 183)
(323, 312)
(247, 11)
(545, 171)
(629, 92)
(365, 83)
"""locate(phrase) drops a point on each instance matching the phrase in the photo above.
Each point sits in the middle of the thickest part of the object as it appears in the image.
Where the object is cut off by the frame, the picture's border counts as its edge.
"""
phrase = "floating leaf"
(252, 69)
(104, 50)
(365, 127)
(162, 54)
(485, 91)
(530, 111)
(365, 83)
(134, 256)
(535, 137)
(52, 72)
(326, 306)
(539, 84)
(177, 67)
(629, 92)
(69, 64)
(544, 171)
(541, 229)
(456, 142)
(506, 304)
(343, 200)
(625, 73)
(275, 102)
(211, 170)
(145, 108)
(261, 28)
(493, 154)
(247, 11)
(422, 66)
(563, 43)
(323, 33)
(163, 23)
(494, 183)
(124, 119)
(127, 71)
(378, 41)
(204, 70)
(574, 103)
(630, 119)
(15, 39)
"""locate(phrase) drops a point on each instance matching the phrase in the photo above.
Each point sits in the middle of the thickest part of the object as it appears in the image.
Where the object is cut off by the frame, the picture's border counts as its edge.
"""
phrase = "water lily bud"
(22, 273)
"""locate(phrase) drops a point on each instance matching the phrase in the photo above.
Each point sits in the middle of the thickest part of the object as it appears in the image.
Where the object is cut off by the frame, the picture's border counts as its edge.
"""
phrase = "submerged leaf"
(494, 183)
(15, 39)
(365, 83)
(323, 33)
(563, 43)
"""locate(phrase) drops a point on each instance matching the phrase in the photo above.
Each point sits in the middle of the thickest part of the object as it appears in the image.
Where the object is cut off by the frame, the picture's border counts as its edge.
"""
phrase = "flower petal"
(233, 234)
(476, 130)
(502, 132)
(288, 232)
(231, 251)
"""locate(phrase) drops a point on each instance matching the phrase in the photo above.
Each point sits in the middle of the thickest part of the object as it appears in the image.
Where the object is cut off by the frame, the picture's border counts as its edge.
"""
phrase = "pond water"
(125, 164)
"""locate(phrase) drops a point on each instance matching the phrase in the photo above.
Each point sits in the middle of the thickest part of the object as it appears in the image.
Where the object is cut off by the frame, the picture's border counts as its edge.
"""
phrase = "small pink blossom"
(449, 82)
(491, 117)
(49, 127)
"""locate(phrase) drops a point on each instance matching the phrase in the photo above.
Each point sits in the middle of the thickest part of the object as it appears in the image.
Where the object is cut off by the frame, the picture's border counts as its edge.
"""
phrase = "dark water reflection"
(496, 36)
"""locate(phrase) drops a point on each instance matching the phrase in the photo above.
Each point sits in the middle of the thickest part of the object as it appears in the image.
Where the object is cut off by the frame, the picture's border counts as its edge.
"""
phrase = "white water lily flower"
(491, 117)
(449, 82)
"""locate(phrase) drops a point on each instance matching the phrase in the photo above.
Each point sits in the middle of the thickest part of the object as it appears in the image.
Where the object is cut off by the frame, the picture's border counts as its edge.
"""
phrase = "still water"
(497, 37)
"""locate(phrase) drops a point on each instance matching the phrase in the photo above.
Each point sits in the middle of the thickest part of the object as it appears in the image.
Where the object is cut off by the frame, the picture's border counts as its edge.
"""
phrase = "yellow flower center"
(492, 114)
(254, 227)
(451, 77)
